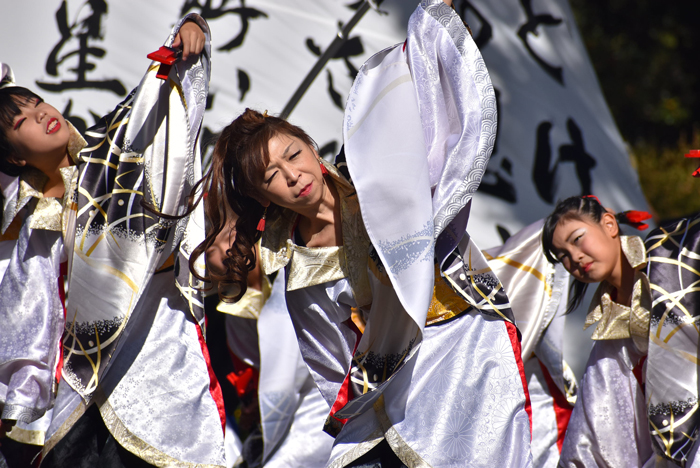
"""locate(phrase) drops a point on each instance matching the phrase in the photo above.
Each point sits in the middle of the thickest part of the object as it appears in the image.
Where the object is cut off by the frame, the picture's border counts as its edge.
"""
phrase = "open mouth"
(53, 126)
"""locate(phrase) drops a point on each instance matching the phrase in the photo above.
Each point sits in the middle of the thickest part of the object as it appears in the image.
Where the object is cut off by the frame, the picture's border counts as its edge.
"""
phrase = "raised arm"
(190, 39)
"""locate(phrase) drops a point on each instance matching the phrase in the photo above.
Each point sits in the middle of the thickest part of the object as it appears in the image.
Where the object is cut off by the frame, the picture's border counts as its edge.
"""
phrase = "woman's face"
(588, 250)
(293, 178)
(39, 134)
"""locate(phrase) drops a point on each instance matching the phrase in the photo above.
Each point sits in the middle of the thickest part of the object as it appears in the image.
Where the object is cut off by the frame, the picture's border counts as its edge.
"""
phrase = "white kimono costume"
(133, 342)
(437, 372)
(637, 403)
(538, 296)
(292, 410)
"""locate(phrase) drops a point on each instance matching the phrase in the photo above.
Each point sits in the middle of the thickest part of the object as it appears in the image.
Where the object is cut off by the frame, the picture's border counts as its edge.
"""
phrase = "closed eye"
(269, 179)
(295, 155)
(19, 123)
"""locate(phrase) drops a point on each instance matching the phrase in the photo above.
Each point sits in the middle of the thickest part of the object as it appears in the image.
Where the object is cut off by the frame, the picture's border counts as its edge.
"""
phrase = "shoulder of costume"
(664, 240)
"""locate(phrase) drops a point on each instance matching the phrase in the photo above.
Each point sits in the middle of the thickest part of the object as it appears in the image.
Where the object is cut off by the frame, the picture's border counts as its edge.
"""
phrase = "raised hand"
(190, 39)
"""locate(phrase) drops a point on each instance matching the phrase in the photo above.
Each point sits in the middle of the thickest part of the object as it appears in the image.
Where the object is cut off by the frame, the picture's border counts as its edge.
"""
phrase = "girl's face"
(588, 250)
(293, 178)
(40, 135)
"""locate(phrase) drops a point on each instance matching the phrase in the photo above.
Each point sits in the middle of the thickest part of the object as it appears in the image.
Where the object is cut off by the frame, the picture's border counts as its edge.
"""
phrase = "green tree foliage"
(647, 57)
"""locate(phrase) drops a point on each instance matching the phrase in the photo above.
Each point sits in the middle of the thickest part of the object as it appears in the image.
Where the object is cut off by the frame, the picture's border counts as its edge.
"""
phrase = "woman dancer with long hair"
(435, 378)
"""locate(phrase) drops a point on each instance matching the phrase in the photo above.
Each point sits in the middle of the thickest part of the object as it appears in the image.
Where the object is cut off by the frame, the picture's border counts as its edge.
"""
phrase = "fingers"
(191, 39)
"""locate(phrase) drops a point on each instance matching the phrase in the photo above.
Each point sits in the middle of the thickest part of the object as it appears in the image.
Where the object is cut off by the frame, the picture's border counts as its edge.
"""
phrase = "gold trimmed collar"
(250, 305)
(617, 321)
(318, 265)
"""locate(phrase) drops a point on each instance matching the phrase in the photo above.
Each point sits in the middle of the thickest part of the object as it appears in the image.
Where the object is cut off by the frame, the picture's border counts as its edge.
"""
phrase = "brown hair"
(238, 164)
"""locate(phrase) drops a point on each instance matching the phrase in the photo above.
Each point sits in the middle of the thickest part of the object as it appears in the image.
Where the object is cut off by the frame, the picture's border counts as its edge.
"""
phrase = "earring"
(261, 223)
(324, 171)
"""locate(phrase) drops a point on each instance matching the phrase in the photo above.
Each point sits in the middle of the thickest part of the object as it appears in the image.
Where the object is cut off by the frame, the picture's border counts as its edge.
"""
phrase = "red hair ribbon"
(634, 218)
(593, 197)
(694, 154)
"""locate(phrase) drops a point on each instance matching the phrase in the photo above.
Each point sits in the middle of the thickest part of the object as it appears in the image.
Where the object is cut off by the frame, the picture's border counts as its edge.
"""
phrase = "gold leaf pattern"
(617, 321)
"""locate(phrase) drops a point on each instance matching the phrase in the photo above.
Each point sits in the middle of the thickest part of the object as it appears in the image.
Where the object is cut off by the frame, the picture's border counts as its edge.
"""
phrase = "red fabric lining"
(562, 408)
(637, 371)
(63, 271)
(244, 377)
(346, 394)
(515, 344)
(214, 387)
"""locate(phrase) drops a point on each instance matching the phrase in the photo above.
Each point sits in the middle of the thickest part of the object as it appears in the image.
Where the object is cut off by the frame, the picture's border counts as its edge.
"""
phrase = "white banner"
(556, 136)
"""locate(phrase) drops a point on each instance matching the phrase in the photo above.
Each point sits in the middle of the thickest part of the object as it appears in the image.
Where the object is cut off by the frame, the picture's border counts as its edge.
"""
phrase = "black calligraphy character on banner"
(207, 12)
(85, 31)
(209, 137)
(485, 29)
(351, 48)
(494, 182)
(530, 27)
(243, 84)
(329, 150)
(546, 178)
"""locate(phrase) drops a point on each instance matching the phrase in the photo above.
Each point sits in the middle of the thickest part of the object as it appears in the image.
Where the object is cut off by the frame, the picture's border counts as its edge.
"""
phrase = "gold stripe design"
(526, 268)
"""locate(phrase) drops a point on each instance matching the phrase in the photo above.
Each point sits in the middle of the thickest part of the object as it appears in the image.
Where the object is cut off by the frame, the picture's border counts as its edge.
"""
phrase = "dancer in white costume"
(133, 346)
(637, 404)
(538, 297)
(436, 379)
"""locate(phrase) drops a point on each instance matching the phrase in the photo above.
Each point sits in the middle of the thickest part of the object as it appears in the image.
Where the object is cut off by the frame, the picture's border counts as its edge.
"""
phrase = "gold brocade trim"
(356, 241)
(65, 427)
(358, 450)
(25, 436)
(47, 215)
(617, 321)
(446, 303)
(76, 143)
(136, 445)
(31, 182)
(250, 305)
(48, 212)
(633, 248)
(399, 446)
(317, 265)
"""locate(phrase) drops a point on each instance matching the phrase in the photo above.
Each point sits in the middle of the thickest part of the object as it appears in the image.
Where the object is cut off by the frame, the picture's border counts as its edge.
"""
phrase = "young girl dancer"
(134, 385)
(435, 379)
(637, 404)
